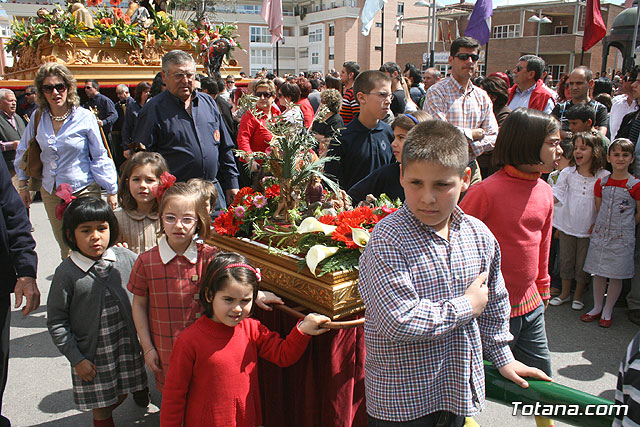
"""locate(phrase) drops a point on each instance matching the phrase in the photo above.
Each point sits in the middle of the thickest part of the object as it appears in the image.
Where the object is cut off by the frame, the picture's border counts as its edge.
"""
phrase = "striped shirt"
(467, 109)
(350, 107)
(424, 350)
(628, 387)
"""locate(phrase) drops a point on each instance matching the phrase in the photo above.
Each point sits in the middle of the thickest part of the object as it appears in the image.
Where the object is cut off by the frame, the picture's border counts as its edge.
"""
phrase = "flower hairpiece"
(255, 270)
(65, 192)
(166, 181)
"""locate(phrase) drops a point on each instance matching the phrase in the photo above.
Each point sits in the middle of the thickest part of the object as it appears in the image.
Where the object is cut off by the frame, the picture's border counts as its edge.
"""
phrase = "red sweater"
(518, 209)
(307, 112)
(252, 133)
(213, 376)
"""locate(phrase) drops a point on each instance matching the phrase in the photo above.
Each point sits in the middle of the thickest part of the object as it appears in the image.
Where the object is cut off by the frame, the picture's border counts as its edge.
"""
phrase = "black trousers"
(5, 326)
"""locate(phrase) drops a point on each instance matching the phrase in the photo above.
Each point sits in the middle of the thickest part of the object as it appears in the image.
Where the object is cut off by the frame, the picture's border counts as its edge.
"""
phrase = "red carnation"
(241, 193)
(272, 192)
(115, 2)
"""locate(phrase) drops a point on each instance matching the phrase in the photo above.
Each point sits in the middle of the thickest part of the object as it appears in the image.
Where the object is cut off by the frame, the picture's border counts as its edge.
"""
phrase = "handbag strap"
(37, 122)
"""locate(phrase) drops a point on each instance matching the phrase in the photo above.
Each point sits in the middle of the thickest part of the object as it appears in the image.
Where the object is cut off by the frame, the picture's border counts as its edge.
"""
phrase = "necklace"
(61, 118)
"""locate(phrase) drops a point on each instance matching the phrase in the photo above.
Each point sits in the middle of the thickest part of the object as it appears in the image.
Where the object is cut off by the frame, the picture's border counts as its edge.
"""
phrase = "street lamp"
(539, 19)
(432, 46)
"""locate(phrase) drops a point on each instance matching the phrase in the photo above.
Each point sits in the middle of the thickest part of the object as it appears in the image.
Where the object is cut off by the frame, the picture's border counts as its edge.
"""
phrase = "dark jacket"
(9, 133)
(17, 247)
(625, 125)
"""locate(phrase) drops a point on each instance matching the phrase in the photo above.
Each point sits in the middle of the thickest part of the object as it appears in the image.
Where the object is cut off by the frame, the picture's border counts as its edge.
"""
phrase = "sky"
(497, 3)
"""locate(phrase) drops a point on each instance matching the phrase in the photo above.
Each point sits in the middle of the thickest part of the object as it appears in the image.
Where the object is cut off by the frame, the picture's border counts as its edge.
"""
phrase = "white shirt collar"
(167, 254)
(84, 263)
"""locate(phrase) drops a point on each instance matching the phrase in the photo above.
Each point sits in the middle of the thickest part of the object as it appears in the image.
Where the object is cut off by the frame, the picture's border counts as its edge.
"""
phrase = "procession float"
(114, 45)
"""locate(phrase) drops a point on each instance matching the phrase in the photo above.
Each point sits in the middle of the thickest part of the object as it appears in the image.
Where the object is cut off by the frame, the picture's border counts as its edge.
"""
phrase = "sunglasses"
(464, 56)
(60, 87)
(264, 94)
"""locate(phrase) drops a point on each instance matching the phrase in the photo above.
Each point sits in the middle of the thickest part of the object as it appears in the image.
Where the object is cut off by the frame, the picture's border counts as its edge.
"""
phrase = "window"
(287, 12)
(556, 71)
(304, 31)
(482, 68)
(331, 54)
(561, 30)
(443, 68)
(253, 9)
(333, 5)
(315, 58)
(304, 52)
(506, 31)
(400, 11)
(259, 35)
(332, 30)
(261, 58)
(315, 35)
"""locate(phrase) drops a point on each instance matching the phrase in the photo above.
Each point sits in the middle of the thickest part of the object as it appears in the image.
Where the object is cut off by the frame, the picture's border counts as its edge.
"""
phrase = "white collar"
(167, 254)
(85, 263)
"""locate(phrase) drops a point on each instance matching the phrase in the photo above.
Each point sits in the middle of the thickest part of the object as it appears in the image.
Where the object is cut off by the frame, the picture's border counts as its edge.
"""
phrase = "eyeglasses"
(60, 87)
(280, 95)
(464, 56)
(518, 68)
(264, 94)
(180, 76)
(30, 93)
(383, 95)
(187, 221)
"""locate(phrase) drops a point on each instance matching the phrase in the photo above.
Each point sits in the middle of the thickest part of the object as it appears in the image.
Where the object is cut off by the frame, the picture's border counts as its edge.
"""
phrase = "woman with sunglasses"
(72, 149)
(252, 132)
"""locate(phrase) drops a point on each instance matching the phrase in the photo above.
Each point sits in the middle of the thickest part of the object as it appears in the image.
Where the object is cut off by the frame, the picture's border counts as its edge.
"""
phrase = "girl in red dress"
(213, 377)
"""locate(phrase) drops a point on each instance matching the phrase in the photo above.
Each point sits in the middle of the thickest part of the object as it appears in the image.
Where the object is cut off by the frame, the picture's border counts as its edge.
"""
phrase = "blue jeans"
(529, 344)
(435, 419)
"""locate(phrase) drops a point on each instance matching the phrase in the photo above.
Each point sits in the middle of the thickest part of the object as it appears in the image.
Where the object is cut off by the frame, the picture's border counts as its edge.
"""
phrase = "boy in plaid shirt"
(436, 301)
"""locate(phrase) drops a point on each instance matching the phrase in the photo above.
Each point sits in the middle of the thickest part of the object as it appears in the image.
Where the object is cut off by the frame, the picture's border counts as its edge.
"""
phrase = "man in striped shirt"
(350, 107)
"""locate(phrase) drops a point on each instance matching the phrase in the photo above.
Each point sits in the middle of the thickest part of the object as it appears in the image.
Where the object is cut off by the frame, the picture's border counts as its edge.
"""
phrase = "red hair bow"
(166, 181)
(65, 192)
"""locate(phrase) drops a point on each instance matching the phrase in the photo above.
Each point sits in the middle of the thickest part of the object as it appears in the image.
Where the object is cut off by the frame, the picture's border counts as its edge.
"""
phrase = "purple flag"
(480, 21)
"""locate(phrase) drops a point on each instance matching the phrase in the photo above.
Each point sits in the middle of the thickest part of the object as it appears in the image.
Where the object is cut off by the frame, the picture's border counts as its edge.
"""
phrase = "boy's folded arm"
(396, 309)
(494, 320)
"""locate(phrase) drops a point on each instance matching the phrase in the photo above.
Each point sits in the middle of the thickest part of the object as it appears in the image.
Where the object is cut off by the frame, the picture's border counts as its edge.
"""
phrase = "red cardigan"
(252, 134)
(518, 209)
(539, 97)
(213, 372)
(307, 112)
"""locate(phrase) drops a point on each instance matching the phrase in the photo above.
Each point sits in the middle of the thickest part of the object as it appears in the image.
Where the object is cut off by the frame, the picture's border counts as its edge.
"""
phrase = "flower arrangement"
(328, 243)
(205, 33)
(112, 25)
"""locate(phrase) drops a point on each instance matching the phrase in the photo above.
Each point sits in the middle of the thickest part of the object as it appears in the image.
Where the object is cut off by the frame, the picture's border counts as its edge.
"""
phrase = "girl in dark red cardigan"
(517, 206)
(213, 371)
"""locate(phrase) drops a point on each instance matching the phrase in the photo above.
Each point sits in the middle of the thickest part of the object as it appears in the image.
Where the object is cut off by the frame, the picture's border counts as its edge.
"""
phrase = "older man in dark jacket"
(17, 270)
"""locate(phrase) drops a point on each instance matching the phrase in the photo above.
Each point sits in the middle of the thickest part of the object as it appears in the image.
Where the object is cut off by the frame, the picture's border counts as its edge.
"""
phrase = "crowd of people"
(516, 196)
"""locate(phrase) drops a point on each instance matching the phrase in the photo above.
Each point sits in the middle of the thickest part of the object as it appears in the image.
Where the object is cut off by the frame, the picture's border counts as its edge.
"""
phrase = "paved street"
(39, 393)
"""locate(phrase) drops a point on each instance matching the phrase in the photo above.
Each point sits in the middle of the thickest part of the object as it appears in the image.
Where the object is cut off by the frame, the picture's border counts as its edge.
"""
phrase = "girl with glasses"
(165, 280)
(72, 150)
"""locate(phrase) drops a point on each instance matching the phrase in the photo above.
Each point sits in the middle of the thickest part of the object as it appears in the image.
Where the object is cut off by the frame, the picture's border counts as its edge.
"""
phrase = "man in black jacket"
(18, 269)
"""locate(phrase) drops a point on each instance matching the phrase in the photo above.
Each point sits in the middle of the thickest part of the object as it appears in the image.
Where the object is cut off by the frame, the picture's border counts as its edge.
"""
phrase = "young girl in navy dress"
(612, 242)
(89, 315)
(138, 218)
(213, 377)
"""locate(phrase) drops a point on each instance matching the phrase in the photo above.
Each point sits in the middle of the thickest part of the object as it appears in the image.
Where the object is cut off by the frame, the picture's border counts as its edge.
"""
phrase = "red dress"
(307, 112)
(173, 291)
(213, 375)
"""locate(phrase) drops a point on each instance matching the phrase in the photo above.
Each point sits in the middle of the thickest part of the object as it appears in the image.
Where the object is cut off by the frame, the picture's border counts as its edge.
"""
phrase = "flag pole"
(382, 39)
(582, 57)
(486, 58)
(277, 58)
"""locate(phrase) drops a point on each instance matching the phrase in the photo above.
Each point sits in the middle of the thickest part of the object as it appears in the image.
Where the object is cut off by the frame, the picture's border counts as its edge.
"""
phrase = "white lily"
(311, 225)
(360, 236)
(316, 254)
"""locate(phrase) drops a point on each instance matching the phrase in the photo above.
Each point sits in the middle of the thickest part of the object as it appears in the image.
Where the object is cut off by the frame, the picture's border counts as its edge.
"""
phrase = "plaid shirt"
(423, 348)
(172, 284)
(467, 109)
